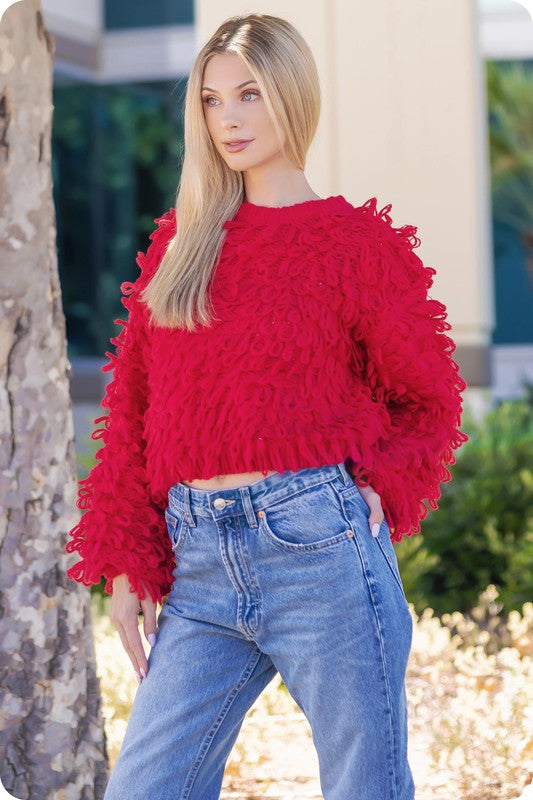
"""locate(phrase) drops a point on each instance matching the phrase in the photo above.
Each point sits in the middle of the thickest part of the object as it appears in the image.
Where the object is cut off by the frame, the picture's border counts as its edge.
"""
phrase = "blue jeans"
(281, 575)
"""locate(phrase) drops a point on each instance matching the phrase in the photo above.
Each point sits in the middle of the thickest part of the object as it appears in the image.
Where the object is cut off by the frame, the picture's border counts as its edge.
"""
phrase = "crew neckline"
(252, 213)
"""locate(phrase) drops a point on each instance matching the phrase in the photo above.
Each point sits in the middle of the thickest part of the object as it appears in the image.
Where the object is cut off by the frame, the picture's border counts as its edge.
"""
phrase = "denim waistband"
(221, 503)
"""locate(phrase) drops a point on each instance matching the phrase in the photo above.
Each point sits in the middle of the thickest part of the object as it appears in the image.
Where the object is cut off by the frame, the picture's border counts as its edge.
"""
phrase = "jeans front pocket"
(358, 512)
(177, 528)
(309, 520)
(387, 548)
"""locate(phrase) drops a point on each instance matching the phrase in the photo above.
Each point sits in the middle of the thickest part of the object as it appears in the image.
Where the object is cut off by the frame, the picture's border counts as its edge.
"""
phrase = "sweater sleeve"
(122, 530)
(406, 357)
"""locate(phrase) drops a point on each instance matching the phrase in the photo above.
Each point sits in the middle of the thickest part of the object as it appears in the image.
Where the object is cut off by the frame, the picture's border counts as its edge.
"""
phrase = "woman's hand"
(125, 608)
(373, 501)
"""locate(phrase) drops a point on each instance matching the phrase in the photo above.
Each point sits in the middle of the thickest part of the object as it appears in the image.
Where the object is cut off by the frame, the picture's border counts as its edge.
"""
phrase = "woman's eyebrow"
(237, 87)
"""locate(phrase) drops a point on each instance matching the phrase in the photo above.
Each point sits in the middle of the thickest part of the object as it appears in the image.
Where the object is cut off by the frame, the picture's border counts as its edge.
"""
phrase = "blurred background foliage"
(482, 532)
(510, 102)
(116, 160)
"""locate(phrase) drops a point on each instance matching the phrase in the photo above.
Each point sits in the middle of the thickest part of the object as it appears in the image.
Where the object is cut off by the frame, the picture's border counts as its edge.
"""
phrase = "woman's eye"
(210, 97)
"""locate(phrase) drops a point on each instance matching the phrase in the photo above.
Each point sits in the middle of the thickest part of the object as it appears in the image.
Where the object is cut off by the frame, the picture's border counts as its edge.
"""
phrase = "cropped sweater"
(327, 348)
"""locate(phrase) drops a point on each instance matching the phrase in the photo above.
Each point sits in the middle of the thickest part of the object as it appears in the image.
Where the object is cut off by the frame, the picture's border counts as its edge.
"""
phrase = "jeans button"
(219, 503)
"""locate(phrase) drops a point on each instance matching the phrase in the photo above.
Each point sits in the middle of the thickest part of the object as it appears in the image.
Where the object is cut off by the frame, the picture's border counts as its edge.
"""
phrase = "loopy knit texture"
(326, 348)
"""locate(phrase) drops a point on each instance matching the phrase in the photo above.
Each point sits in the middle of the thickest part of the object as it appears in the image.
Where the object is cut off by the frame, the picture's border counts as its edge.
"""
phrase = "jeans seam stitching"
(206, 744)
(283, 498)
(296, 547)
(393, 744)
(255, 589)
(398, 581)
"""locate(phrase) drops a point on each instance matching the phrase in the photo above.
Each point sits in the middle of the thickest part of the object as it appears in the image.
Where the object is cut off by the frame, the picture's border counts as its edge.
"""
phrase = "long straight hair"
(210, 192)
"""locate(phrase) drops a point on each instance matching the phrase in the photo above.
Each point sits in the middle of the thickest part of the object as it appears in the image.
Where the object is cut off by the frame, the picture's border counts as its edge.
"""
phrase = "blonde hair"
(210, 192)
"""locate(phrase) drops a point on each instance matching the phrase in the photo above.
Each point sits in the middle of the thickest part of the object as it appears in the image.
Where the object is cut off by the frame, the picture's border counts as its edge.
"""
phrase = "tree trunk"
(52, 742)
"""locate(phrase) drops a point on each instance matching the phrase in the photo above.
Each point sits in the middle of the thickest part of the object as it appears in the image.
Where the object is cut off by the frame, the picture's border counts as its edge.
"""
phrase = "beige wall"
(403, 119)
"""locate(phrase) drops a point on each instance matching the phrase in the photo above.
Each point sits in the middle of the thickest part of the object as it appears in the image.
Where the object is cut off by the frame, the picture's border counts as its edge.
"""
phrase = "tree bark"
(52, 742)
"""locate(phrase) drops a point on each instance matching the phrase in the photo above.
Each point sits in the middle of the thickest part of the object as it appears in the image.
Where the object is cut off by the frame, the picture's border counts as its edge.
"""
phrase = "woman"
(261, 454)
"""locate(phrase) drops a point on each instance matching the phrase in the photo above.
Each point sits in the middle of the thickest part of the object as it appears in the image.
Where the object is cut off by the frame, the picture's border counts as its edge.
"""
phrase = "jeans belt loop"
(248, 506)
(188, 513)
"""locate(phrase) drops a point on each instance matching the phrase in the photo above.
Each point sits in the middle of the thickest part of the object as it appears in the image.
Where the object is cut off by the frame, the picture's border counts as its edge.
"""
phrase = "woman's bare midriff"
(231, 481)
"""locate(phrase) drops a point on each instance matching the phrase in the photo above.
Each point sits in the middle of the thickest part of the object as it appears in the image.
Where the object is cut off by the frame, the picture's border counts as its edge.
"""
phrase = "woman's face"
(236, 111)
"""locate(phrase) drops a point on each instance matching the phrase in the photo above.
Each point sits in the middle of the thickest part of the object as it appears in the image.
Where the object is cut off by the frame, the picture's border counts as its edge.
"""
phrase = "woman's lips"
(234, 148)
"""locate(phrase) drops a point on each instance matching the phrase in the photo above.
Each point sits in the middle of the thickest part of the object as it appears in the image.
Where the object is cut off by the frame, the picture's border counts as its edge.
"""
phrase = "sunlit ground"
(470, 710)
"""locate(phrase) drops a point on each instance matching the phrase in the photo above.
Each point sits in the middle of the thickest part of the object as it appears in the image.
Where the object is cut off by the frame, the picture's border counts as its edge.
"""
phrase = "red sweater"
(328, 349)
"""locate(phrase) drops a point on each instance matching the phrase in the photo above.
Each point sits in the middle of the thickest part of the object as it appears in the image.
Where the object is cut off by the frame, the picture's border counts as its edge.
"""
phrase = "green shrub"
(482, 532)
